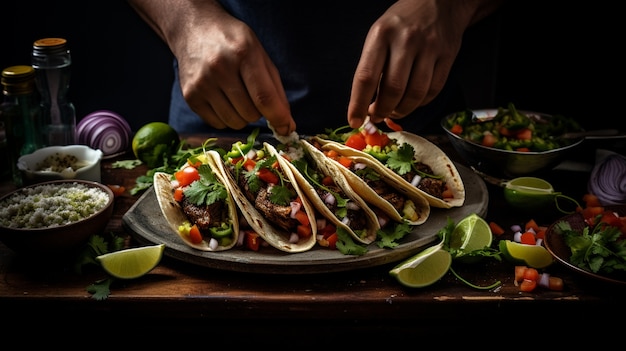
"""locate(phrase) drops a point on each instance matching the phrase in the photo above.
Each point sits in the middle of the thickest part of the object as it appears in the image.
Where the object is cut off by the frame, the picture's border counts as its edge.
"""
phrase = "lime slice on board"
(132, 263)
(423, 269)
(535, 256)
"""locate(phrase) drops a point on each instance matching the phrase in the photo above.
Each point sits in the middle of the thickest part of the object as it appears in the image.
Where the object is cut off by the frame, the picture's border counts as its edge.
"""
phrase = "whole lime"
(155, 142)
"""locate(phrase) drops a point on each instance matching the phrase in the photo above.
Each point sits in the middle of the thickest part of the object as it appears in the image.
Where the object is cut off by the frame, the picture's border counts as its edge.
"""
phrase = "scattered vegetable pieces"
(528, 278)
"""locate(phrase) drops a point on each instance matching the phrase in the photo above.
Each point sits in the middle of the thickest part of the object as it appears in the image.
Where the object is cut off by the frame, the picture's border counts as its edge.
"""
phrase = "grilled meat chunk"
(205, 216)
(278, 214)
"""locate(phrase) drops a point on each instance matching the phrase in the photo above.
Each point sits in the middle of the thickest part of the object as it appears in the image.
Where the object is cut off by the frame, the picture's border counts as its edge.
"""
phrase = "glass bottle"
(20, 114)
(52, 62)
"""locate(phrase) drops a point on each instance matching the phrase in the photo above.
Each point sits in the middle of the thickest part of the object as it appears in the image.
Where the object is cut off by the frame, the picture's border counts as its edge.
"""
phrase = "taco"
(269, 197)
(206, 207)
(377, 188)
(414, 163)
(330, 192)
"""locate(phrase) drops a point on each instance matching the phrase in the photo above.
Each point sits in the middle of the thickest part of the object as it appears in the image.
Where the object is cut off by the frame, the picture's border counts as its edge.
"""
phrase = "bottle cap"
(18, 80)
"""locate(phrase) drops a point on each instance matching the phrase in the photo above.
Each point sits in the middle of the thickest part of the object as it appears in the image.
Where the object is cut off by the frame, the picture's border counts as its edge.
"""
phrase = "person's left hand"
(406, 58)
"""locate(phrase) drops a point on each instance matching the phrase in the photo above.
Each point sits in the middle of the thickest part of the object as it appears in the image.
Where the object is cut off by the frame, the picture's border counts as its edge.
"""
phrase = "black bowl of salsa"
(509, 142)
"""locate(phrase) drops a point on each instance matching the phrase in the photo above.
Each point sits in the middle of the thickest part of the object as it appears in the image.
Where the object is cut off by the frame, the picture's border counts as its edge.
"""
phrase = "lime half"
(132, 263)
(423, 269)
(529, 193)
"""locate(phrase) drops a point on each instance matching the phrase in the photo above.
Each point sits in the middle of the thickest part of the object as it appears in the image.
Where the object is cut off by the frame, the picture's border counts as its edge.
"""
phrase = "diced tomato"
(532, 224)
(524, 134)
(489, 140)
(522, 149)
(447, 193)
(117, 190)
(304, 231)
(302, 218)
(186, 176)
(356, 141)
(541, 234)
(377, 139)
(519, 273)
(590, 212)
(179, 194)
(194, 234)
(505, 132)
(253, 240)
(332, 241)
(249, 164)
(267, 176)
(328, 180)
(528, 285)
(496, 229)
(327, 231)
(531, 274)
(345, 161)
(456, 129)
(609, 218)
(331, 154)
(393, 125)
(528, 238)
(195, 164)
(591, 200)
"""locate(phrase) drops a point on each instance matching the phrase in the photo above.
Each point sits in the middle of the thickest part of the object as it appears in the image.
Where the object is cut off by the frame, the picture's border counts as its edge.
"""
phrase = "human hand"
(406, 58)
(228, 79)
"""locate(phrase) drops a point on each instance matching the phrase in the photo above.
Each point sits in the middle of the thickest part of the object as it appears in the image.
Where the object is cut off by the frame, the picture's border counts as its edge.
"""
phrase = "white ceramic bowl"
(42, 165)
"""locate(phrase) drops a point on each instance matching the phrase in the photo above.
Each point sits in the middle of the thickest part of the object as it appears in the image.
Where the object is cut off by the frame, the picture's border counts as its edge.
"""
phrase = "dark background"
(561, 59)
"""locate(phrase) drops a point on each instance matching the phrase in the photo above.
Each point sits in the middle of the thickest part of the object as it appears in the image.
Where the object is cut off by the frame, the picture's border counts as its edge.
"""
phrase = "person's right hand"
(226, 76)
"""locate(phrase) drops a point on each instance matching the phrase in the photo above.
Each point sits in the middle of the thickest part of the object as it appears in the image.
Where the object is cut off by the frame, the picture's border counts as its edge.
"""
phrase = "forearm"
(172, 20)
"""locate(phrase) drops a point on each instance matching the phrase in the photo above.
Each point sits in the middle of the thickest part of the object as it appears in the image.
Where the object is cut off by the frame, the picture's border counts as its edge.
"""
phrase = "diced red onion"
(213, 244)
(538, 242)
(251, 154)
(295, 207)
(329, 199)
(517, 237)
(544, 280)
(359, 165)
(369, 127)
(240, 239)
(293, 238)
(608, 179)
(516, 228)
(416, 180)
(351, 205)
(382, 221)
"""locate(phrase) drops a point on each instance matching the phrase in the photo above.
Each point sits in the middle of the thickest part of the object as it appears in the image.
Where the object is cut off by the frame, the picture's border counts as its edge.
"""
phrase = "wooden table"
(365, 302)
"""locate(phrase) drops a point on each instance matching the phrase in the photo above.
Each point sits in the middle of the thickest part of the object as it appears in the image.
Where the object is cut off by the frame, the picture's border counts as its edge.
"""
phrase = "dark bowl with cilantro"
(506, 142)
(570, 240)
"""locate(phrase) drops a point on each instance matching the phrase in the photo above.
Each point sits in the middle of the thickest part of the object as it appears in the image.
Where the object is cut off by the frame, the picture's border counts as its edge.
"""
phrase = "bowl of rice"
(59, 163)
(54, 218)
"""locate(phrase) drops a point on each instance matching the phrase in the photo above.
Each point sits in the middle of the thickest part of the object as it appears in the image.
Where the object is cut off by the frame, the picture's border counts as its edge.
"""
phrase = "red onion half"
(104, 130)
(608, 178)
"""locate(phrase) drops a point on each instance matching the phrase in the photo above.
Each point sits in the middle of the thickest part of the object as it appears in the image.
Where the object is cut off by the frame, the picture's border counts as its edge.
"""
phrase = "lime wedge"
(132, 263)
(471, 233)
(423, 269)
(535, 256)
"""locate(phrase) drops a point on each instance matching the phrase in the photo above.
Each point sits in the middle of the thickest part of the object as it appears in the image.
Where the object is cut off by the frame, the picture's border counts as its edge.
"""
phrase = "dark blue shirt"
(316, 47)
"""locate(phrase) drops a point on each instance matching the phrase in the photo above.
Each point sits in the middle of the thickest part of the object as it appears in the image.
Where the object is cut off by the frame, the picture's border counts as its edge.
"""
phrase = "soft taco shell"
(328, 169)
(425, 151)
(174, 215)
(276, 237)
(422, 207)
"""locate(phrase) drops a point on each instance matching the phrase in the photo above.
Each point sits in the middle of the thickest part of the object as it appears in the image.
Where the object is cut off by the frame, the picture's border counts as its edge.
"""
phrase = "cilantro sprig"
(208, 189)
(598, 249)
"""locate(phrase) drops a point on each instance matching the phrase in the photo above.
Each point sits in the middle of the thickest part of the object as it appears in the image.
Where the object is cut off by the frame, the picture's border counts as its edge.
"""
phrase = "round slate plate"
(148, 226)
